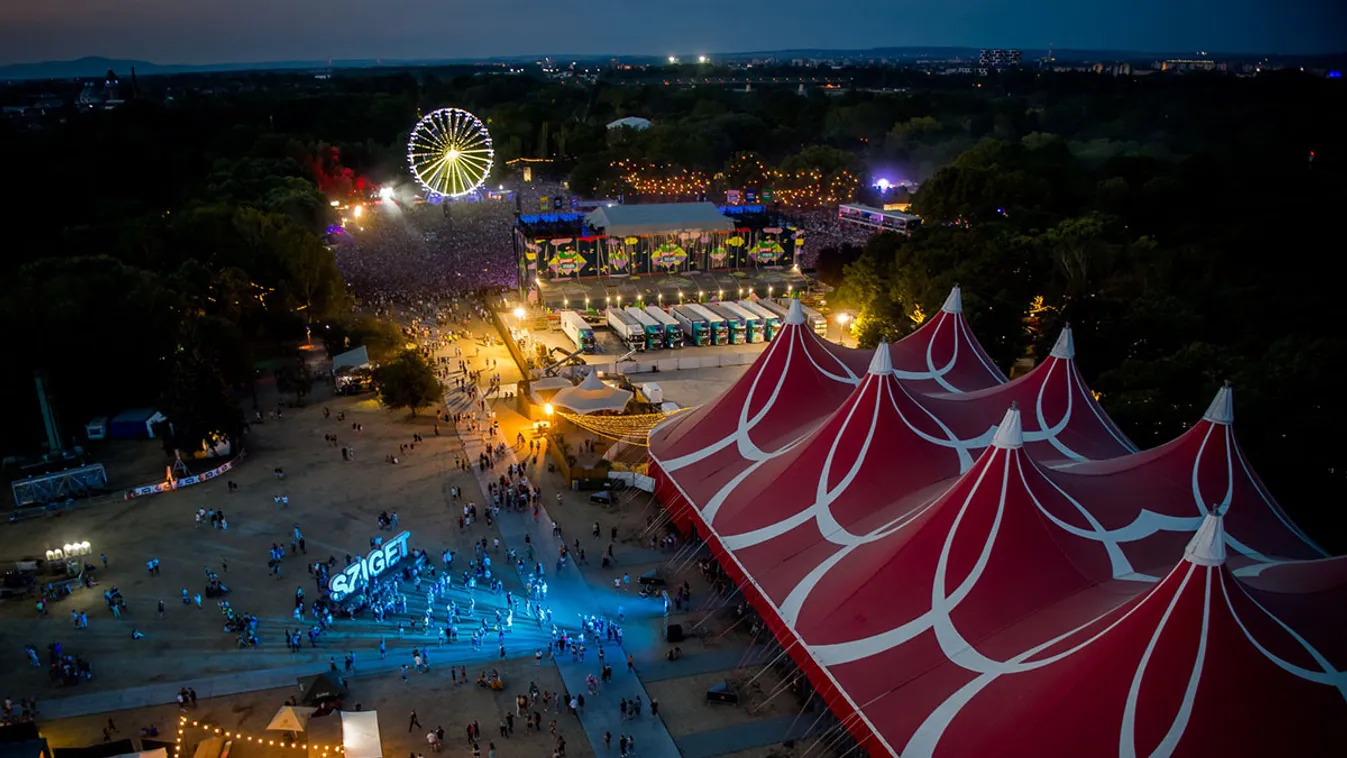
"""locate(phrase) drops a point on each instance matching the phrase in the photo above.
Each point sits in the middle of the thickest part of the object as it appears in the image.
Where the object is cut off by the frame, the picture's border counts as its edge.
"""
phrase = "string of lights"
(633, 428)
(803, 188)
(215, 731)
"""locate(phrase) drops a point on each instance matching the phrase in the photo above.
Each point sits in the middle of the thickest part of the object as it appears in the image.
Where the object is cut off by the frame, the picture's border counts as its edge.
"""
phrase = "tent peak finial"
(953, 303)
(1222, 408)
(1065, 347)
(881, 363)
(795, 312)
(1207, 547)
(1009, 435)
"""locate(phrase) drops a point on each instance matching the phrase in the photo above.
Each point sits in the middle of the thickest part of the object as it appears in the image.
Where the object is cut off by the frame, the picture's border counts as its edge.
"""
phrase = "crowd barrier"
(186, 481)
(639, 481)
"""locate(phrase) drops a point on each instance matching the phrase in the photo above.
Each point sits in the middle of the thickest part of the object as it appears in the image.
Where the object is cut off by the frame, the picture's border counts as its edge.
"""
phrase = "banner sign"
(170, 483)
(358, 574)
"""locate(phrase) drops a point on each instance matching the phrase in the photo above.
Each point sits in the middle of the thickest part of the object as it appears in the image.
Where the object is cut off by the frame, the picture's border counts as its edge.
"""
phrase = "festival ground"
(336, 504)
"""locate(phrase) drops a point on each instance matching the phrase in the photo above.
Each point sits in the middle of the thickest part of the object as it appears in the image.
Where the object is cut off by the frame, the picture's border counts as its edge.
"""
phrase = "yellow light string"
(215, 730)
(634, 428)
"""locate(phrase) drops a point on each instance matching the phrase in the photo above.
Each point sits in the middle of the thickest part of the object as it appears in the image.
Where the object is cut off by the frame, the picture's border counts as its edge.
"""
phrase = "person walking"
(413, 722)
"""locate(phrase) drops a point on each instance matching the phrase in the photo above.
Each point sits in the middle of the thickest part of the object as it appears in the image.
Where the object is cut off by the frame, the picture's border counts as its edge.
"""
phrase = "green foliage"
(382, 338)
(204, 246)
(407, 381)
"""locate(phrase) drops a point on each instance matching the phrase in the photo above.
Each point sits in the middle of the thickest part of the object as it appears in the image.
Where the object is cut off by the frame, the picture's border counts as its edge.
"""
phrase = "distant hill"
(98, 66)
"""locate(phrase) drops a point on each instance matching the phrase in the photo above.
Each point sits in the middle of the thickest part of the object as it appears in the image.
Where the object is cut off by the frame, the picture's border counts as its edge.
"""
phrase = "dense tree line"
(1178, 269)
(156, 252)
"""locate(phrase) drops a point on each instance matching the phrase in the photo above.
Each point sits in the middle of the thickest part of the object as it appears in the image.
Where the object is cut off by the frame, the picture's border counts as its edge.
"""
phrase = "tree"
(408, 381)
(381, 338)
(296, 378)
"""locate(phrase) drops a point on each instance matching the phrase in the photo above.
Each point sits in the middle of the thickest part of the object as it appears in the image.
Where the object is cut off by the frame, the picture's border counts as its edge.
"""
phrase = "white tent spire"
(1009, 435)
(795, 313)
(1065, 349)
(1222, 408)
(881, 363)
(953, 303)
(1207, 547)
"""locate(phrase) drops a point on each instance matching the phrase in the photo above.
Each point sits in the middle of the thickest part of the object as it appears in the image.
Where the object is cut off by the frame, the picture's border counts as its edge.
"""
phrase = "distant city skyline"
(201, 32)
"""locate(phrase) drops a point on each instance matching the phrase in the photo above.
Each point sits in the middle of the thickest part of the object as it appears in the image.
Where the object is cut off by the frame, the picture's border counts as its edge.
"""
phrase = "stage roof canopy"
(659, 218)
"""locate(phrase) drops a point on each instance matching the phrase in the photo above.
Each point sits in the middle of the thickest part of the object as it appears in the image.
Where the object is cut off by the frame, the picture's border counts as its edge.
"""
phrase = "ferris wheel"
(450, 152)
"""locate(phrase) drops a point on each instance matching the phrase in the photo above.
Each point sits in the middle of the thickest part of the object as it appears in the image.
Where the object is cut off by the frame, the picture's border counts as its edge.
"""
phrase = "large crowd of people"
(822, 229)
(422, 250)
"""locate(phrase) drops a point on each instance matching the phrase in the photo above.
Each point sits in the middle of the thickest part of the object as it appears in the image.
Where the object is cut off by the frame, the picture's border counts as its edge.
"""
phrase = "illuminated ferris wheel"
(450, 152)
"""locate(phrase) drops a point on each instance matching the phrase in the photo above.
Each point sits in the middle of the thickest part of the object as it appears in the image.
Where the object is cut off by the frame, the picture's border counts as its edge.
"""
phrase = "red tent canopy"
(1061, 418)
(1195, 666)
(1150, 502)
(944, 588)
(796, 382)
(943, 355)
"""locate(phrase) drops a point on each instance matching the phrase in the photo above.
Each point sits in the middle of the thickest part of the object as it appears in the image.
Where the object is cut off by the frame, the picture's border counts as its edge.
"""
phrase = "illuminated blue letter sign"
(359, 574)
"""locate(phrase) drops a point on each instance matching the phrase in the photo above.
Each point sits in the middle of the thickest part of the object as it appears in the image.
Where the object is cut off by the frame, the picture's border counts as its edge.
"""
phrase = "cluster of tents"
(964, 565)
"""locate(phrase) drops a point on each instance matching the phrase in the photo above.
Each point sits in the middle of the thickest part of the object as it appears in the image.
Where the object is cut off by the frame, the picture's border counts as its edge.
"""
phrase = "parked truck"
(753, 325)
(628, 330)
(673, 331)
(654, 331)
(695, 325)
(735, 327)
(771, 321)
(579, 332)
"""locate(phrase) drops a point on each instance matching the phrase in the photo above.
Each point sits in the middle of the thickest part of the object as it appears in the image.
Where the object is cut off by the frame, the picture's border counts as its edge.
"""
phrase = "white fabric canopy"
(291, 718)
(591, 396)
(357, 358)
(360, 734)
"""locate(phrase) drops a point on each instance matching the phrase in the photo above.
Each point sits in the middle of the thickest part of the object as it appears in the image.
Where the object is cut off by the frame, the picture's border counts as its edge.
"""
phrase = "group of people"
(426, 249)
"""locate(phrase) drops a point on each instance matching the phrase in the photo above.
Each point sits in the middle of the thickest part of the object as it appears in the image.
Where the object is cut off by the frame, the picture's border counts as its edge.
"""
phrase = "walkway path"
(569, 595)
(754, 734)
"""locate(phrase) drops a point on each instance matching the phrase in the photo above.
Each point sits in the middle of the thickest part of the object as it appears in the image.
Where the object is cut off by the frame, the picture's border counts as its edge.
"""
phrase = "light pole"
(842, 320)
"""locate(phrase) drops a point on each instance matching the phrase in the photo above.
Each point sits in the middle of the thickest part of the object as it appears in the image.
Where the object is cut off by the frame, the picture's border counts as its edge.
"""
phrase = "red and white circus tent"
(1151, 501)
(796, 382)
(1061, 418)
(1194, 666)
(942, 355)
(906, 579)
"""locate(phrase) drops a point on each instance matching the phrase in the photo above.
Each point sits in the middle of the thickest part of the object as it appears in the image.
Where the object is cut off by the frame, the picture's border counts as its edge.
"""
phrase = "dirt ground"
(335, 503)
(437, 702)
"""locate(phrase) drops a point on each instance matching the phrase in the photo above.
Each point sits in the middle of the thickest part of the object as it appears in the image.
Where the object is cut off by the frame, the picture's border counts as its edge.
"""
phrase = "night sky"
(219, 31)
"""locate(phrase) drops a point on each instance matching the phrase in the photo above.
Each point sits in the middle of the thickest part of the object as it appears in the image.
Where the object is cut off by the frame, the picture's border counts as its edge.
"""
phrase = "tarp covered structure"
(291, 718)
(320, 688)
(591, 395)
(659, 218)
(351, 359)
(955, 582)
(360, 734)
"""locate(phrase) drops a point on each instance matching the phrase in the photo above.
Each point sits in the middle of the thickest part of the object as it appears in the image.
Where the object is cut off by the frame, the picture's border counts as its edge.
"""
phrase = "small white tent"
(360, 734)
(591, 396)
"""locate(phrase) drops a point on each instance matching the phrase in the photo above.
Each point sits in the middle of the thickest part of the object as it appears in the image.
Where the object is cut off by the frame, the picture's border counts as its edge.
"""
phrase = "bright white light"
(385, 193)
(519, 313)
(358, 211)
(883, 184)
(702, 59)
(673, 59)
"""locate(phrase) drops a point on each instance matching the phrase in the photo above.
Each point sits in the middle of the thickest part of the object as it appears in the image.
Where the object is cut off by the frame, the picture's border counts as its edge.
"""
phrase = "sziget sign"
(358, 574)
